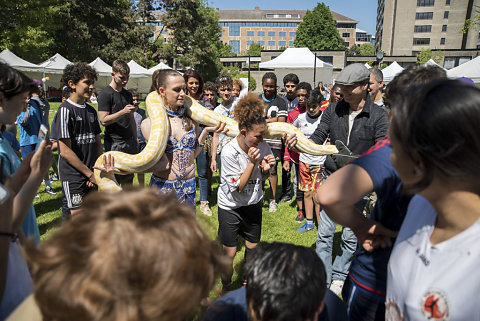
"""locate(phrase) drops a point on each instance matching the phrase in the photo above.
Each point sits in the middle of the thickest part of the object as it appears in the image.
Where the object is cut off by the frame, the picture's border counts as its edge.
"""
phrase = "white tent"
(300, 61)
(391, 71)
(367, 66)
(469, 69)
(432, 62)
(101, 67)
(137, 71)
(161, 65)
(16, 62)
(55, 64)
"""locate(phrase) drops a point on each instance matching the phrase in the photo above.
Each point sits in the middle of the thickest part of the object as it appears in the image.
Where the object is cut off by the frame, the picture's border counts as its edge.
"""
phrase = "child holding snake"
(240, 195)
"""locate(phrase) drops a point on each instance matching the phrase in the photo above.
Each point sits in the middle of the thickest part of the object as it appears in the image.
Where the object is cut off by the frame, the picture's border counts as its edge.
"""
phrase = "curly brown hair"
(249, 111)
(133, 255)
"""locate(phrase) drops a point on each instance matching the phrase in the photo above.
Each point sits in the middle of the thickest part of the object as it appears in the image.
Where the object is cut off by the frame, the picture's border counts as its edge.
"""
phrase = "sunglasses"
(222, 79)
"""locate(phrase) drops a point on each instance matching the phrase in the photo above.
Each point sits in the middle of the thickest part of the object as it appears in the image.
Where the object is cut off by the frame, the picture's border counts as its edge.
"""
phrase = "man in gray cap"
(358, 123)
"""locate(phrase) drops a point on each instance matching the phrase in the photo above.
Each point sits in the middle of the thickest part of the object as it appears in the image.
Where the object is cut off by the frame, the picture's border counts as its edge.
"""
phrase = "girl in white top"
(240, 195)
(433, 269)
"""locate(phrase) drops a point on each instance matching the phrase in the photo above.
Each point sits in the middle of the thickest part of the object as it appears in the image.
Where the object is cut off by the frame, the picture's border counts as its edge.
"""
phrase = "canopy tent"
(469, 69)
(101, 67)
(16, 62)
(302, 62)
(391, 71)
(432, 62)
(137, 71)
(367, 66)
(160, 66)
(140, 78)
(55, 64)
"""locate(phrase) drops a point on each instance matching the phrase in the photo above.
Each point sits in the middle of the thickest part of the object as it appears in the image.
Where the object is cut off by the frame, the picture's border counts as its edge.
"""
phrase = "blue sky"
(364, 11)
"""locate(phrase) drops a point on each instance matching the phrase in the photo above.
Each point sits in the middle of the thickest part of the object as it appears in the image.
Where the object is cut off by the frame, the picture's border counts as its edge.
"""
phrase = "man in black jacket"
(358, 123)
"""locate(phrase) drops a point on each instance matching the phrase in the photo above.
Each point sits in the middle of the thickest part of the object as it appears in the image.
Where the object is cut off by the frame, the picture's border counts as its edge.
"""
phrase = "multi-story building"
(361, 37)
(407, 26)
(273, 29)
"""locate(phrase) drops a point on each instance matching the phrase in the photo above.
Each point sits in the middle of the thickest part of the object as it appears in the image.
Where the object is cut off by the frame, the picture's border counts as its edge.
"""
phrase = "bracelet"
(200, 144)
(14, 236)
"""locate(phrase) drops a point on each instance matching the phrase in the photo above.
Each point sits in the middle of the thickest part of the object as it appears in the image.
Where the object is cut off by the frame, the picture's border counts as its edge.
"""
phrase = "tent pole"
(248, 72)
(314, 68)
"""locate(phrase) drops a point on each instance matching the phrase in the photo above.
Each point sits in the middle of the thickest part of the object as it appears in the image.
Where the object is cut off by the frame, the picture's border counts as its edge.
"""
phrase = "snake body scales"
(160, 129)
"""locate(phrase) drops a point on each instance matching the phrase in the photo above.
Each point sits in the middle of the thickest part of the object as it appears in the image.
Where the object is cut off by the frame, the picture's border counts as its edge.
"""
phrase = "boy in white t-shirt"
(225, 91)
(311, 167)
(245, 159)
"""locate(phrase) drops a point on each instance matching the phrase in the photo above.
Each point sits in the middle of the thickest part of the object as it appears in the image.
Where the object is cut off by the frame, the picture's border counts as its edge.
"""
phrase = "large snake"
(159, 132)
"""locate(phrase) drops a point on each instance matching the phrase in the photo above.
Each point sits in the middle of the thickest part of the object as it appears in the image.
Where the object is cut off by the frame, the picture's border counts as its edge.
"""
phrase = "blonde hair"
(132, 255)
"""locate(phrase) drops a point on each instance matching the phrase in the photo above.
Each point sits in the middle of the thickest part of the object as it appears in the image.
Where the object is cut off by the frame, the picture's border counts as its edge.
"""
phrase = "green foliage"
(426, 54)
(472, 22)
(366, 49)
(27, 27)
(255, 50)
(235, 72)
(224, 49)
(318, 30)
(195, 33)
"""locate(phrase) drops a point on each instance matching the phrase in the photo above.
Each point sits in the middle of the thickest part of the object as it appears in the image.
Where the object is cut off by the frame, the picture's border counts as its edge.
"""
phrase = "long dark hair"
(195, 74)
(14, 82)
(437, 127)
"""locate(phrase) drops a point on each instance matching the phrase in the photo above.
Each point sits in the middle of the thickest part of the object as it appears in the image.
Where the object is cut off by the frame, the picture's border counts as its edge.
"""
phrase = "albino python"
(159, 132)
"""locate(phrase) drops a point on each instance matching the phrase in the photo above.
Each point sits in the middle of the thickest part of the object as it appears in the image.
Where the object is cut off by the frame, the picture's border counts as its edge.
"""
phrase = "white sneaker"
(273, 206)
(337, 286)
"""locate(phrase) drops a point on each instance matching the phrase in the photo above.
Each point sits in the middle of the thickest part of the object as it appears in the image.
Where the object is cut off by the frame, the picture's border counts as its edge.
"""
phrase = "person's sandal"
(205, 208)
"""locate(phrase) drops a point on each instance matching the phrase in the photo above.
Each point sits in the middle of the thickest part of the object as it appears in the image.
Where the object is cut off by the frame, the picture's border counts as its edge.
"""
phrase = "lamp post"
(44, 79)
(379, 57)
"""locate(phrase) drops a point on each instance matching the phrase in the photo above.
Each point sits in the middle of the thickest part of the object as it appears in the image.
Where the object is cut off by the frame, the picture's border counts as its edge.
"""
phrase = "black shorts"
(245, 221)
(141, 146)
(75, 191)
(277, 153)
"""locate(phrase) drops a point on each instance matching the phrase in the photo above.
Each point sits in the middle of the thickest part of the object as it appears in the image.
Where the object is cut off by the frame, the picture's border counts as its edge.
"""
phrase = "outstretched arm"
(339, 194)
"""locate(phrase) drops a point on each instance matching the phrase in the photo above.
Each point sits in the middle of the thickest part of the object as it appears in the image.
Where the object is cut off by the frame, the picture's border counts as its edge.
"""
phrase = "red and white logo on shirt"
(435, 306)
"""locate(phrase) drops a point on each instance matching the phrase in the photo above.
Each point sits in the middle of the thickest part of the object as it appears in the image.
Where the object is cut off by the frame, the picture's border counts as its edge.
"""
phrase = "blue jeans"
(348, 246)
(202, 171)
(362, 305)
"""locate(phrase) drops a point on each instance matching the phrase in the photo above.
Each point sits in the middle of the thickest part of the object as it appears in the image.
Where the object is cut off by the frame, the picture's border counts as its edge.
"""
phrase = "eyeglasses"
(222, 79)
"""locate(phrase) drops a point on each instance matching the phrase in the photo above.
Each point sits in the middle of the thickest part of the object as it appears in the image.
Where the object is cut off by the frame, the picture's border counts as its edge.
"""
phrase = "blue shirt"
(233, 307)
(11, 162)
(29, 131)
(12, 139)
(369, 269)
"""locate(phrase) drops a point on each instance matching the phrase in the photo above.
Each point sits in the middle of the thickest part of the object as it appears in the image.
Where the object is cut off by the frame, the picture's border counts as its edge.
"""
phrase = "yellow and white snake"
(159, 132)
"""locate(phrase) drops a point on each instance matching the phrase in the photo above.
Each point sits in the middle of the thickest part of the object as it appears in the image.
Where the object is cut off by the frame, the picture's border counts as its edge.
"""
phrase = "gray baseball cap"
(352, 74)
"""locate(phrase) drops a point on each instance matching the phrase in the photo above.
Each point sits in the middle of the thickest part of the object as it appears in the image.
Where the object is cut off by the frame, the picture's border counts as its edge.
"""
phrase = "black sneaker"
(284, 198)
(300, 217)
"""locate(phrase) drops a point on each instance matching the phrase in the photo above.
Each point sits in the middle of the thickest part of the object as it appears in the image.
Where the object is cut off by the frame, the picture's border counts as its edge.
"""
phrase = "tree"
(472, 22)
(143, 16)
(426, 54)
(318, 30)
(195, 32)
(224, 49)
(367, 49)
(27, 27)
(255, 49)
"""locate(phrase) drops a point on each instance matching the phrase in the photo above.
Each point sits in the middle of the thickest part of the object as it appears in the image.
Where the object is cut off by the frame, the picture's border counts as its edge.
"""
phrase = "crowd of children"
(127, 257)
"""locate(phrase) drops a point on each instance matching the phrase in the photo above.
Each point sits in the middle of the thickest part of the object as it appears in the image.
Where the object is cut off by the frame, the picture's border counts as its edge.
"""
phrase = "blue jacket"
(29, 131)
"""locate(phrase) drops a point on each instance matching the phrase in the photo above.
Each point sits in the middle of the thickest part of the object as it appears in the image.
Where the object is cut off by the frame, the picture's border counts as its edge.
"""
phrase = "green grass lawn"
(279, 226)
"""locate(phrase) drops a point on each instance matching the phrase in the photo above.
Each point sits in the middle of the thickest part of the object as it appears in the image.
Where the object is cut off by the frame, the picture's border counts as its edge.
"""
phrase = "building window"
(249, 43)
(260, 33)
(282, 34)
(345, 25)
(271, 43)
(444, 28)
(425, 3)
(250, 33)
(282, 43)
(235, 44)
(421, 41)
(442, 41)
(291, 43)
(164, 39)
(271, 33)
(292, 33)
(424, 16)
(445, 15)
(261, 43)
(234, 30)
(424, 28)
(447, 2)
(346, 34)
(347, 44)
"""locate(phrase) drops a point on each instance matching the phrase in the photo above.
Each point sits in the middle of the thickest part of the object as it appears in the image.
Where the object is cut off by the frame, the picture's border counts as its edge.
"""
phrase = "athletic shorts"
(245, 221)
(75, 191)
(278, 157)
(310, 177)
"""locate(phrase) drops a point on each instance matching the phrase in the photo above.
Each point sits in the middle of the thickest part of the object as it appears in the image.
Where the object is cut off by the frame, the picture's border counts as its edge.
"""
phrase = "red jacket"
(290, 155)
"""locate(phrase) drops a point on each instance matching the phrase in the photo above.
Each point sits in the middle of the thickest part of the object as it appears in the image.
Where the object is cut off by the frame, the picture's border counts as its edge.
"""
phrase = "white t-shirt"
(234, 163)
(351, 119)
(307, 126)
(433, 282)
(225, 111)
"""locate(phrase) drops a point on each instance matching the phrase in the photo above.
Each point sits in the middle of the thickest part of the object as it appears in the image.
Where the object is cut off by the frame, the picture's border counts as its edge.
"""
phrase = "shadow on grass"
(49, 225)
(49, 205)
